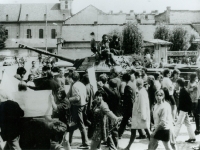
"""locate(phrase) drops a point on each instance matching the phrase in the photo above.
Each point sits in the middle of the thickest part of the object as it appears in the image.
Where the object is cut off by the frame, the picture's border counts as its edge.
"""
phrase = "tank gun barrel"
(47, 53)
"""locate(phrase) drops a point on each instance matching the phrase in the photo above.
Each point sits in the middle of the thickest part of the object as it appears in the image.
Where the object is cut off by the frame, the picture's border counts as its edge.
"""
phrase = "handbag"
(163, 135)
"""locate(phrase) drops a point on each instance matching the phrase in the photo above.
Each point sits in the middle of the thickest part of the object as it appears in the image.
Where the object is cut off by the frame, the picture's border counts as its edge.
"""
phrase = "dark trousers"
(77, 116)
(196, 113)
(126, 116)
(113, 139)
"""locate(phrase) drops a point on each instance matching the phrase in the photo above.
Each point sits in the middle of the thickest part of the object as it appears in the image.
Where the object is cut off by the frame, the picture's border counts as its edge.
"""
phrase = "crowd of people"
(154, 105)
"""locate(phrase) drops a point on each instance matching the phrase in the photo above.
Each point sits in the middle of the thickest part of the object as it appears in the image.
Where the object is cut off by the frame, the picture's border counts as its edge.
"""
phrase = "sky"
(122, 5)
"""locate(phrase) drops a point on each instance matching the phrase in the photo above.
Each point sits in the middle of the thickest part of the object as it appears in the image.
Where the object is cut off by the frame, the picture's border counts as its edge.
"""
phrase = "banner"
(182, 53)
(34, 103)
(9, 84)
(92, 78)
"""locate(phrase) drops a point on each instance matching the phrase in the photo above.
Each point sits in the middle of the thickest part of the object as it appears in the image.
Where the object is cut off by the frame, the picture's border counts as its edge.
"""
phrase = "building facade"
(36, 25)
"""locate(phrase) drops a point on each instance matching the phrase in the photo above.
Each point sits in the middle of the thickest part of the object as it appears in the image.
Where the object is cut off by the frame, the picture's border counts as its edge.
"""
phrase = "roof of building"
(196, 27)
(196, 41)
(12, 10)
(91, 14)
(182, 16)
(32, 12)
(158, 41)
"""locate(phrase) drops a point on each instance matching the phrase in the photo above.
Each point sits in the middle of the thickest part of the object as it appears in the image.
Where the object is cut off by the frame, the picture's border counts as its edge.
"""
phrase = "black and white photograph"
(100, 74)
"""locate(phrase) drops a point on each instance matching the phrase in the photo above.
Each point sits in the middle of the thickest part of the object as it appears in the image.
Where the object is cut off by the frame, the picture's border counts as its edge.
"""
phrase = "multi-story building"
(36, 25)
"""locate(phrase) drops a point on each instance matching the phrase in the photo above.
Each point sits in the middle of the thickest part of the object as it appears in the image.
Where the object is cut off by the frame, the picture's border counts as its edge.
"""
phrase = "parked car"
(8, 61)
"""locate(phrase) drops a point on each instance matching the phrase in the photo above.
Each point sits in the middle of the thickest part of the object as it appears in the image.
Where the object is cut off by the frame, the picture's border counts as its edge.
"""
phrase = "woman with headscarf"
(163, 123)
(100, 109)
(140, 113)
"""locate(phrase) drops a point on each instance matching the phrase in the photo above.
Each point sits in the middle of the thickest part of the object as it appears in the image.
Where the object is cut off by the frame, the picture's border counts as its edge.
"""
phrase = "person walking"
(185, 106)
(77, 97)
(163, 122)
(140, 112)
(129, 98)
(198, 104)
(99, 110)
(192, 89)
(169, 85)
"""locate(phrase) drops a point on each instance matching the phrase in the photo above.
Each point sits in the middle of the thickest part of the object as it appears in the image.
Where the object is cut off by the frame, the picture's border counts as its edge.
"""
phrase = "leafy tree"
(162, 32)
(132, 39)
(2, 36)
(180, 39)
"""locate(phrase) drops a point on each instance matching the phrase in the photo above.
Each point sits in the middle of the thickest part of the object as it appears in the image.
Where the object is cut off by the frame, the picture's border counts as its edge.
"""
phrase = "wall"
(161, 17)
(75, 45)
(82, 32)
(147, 21)
(184, 17)
(35, 29)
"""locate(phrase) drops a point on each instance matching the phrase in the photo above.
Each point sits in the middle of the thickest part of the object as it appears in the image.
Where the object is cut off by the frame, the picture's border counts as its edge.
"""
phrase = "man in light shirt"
(167, 83)
(77, 97)
(34, 71)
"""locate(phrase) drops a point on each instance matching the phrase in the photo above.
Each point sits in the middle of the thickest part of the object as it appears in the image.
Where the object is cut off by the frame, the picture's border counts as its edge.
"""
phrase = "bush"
(162, 32)
(180, 39)
(132, 39)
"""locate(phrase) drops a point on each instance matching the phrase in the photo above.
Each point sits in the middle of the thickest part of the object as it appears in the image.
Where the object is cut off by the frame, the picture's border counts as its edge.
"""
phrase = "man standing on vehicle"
(34, 70)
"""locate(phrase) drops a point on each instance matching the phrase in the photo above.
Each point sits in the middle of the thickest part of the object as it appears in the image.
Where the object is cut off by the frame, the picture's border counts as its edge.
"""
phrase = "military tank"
(81, 65)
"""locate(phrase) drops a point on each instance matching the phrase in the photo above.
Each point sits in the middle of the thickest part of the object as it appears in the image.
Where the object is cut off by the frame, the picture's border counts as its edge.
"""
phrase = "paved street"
(143, 144)
(137, 145)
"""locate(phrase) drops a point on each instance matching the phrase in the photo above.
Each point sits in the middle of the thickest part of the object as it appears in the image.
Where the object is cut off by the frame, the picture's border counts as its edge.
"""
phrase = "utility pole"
(46, 29)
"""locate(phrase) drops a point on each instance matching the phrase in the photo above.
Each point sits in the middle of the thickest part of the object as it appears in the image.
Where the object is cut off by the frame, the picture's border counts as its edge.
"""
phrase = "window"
(66, 4)
(29, 33)
(41, 34)
(6, 17)
(6, 33)
(53, 33)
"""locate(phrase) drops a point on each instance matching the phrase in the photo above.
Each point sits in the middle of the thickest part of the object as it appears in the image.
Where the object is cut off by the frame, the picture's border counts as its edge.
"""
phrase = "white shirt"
(168, 84)
(79, 93)
(162, 115)
(34, 71)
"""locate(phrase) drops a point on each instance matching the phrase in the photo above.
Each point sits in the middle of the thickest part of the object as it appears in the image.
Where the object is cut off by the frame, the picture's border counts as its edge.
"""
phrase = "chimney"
(168, 8)
(120, 12)
(111, 12)
(156, 11)
(132, 13)
(26, 17)
(144, 12)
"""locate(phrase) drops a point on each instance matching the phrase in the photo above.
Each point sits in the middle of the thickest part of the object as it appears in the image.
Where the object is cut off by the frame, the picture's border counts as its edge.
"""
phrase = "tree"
(2, 36)
(180, 39)
(162, 32)
(132, 39)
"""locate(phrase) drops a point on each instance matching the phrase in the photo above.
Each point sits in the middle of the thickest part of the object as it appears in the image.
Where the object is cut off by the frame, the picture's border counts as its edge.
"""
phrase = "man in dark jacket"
(114, 105)
(10, 114)
(185, 106)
